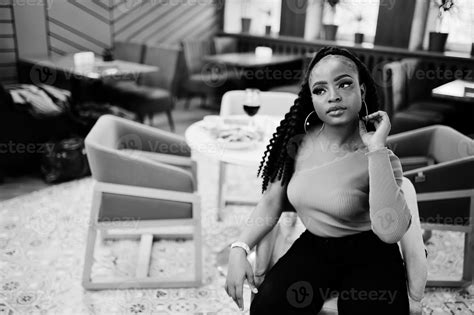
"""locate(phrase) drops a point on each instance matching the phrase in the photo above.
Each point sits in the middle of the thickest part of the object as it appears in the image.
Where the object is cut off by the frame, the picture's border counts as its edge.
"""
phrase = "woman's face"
(335, 90)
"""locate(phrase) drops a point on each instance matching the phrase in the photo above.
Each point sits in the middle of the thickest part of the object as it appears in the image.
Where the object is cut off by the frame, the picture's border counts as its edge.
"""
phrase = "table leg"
(220, 190)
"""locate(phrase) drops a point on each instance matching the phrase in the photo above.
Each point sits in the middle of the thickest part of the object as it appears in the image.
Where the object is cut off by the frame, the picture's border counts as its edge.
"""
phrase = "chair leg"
(187, 101)
(197, 238)
(91, 240)
(170, 120)
(203, 100)
(468, 264)
(151, 117)
(89, 258)
(141, 117)
(144, 255)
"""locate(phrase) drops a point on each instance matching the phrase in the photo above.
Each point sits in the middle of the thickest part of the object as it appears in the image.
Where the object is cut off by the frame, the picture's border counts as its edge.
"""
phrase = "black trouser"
(368, 275)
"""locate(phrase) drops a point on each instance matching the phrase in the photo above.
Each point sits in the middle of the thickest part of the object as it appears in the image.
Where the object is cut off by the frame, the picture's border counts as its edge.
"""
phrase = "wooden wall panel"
(164, 21)
(8, 47)
(78, 25)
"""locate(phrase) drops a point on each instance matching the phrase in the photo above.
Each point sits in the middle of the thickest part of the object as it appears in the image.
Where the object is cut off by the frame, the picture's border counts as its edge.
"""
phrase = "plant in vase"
(359, 36)
(437, 39)
(245, 16)
(268, 25)
(330, 28)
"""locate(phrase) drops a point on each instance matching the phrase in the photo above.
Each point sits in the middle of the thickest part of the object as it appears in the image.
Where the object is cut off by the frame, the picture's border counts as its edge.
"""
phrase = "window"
(346, 15)
(459, 23)
(262, 13)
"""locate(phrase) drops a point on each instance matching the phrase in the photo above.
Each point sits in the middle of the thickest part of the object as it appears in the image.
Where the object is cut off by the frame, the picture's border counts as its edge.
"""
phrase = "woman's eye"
(345, 84)
(318, 91)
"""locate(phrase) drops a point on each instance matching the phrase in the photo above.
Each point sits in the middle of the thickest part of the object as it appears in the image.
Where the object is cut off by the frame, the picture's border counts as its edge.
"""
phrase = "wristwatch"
(242, 245)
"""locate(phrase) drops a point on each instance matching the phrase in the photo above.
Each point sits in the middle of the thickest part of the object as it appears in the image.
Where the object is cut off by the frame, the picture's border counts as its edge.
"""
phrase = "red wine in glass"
(251, 110)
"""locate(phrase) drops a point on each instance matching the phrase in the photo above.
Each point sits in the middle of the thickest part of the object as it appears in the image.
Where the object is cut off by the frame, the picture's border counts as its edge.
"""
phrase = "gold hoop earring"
(306, 121)
(366, 110)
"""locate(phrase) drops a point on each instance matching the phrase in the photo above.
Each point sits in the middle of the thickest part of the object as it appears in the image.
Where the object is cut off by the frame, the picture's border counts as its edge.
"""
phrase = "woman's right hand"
(239, 269)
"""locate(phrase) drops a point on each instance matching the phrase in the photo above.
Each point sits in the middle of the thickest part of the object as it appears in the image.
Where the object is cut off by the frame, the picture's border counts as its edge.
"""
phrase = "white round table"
(201, 141)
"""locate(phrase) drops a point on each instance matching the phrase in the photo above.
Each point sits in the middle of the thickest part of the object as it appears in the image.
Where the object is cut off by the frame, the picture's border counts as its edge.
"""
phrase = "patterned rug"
(42, 244)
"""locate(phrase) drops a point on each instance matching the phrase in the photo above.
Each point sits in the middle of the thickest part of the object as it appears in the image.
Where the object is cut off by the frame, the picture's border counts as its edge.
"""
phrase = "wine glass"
(252, 104)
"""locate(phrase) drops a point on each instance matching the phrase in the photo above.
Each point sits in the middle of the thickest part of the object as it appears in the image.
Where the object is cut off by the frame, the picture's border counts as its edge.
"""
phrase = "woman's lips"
(337, 112)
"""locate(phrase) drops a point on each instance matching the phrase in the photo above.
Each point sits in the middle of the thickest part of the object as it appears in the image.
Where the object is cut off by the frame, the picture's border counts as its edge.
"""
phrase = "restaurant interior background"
(165, 71)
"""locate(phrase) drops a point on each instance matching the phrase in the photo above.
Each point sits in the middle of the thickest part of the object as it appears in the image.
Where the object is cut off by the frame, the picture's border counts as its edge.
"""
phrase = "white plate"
(237, 138)
(236, 145)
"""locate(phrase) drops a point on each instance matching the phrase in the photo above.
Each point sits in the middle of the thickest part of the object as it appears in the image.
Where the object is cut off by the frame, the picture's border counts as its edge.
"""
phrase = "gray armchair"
(440, 162)
(145, 176)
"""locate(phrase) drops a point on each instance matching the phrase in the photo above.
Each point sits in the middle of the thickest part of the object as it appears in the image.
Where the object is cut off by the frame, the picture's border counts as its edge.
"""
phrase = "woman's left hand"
(375, 139)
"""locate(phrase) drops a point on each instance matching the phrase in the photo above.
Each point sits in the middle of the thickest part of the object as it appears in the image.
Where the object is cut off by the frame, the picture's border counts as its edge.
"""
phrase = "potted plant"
(437, 39)
(358, 36)
(330, 29)
(245, 16)
(268, 25)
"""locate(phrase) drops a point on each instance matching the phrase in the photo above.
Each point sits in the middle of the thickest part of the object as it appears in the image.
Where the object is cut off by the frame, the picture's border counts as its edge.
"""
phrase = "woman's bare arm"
(413, 251)
(261, 221)
(265, 215)
(389, 213)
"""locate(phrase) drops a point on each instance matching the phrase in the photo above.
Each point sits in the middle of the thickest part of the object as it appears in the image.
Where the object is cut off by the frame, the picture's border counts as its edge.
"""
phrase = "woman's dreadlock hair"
(279, 157)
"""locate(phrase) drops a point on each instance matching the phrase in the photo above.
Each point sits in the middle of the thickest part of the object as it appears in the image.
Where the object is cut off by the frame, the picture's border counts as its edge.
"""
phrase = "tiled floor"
(17, 186)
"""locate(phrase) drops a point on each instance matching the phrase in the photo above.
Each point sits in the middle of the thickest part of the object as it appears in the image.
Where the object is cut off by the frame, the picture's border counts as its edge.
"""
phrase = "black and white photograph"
(218, 157)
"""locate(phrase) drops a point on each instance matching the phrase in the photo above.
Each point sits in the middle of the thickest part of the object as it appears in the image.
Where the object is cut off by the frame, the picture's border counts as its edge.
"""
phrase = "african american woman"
(344, 184)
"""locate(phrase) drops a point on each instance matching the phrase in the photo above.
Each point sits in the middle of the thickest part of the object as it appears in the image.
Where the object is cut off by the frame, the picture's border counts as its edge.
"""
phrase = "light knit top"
(356, 192)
